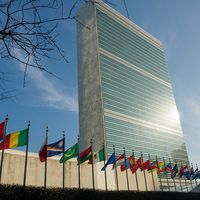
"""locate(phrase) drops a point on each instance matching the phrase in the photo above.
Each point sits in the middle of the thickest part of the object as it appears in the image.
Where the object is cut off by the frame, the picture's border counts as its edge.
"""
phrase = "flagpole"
(136, 178)
(3, 146)
(174, 177)
(179, 179)
(145, 179)
(93, 186)
(26, 156)
(185, 179)
(159, 174)
(152, 176)
(116, 175)
(196, 179)
(79, 169)
(127, 179)
(45, 167)
(63, 183)
(166, 175)
(190, 174)
(105, 175)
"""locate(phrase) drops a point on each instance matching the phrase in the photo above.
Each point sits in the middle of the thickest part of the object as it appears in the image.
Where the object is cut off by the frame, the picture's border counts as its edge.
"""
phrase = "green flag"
(70, 153)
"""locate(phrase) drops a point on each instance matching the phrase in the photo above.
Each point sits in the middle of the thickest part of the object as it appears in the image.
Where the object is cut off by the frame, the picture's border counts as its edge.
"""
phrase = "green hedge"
(15, 192)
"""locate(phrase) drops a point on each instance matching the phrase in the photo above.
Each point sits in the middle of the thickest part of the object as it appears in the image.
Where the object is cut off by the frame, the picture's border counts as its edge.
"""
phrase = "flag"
(154, 166)
(55, 148)
(196, 174)
(50, 150)
(97, 157)
(186, 172)
(162, 167)
(138, 165)
(2, 128)
(70, 153)
(120, 160)
(16, 139)
(146, 165)
(110, 161)
(85, 155)
(131, 162)
(191, 172)
(43, 152)
(174, 171)
(169, 167)
(181, 170)
(125, 165)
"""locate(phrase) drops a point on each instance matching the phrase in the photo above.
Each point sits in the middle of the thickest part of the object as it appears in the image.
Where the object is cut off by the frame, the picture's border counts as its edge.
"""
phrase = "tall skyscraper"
(125, 94)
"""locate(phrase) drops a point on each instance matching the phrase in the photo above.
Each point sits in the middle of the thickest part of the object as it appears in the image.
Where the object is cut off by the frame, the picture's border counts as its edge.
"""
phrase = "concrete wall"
(13, 172)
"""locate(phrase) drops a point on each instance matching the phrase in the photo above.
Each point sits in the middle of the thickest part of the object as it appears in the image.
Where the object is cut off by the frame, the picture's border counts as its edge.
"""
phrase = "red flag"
(138, 163)
(2, 128)
(131, 159)
(146, 165)
(181, 171)
(43, 152)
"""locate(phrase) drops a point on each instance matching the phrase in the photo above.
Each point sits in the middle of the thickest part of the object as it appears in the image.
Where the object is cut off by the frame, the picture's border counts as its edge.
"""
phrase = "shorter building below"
(13, 173)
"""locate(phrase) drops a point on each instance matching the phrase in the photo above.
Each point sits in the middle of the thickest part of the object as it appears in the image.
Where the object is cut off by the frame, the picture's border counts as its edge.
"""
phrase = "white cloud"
(51, 94)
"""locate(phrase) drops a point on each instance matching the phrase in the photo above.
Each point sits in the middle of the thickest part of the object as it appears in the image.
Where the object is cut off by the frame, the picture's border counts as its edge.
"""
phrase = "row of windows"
(129, 75)
(126, 32)
(134, 91)
(141, 130)
(142, 60)
(125, 134)
(139, 136)
(153, 153)
(126, 54)
(154, 116)
(136, 103)
(104, 31)
(130, 58)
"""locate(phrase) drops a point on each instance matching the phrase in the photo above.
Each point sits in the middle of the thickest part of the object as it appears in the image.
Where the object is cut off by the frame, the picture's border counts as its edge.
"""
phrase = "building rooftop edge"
(100, 4)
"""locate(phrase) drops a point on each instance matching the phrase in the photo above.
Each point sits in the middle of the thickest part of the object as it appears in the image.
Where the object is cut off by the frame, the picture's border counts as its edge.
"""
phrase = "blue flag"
(174, 171)
(55, 148)
(110, 161)
(186, 173)
(196, 174)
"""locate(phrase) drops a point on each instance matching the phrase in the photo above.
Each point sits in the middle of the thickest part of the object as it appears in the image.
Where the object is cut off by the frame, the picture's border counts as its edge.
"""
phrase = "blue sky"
(48, 101)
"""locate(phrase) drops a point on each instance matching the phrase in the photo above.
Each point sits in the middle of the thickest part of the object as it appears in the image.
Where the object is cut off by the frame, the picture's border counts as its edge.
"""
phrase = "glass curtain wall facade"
(138, 106)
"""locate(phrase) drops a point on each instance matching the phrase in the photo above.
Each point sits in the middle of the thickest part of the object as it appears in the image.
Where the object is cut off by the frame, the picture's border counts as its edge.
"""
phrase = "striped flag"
(16, 139)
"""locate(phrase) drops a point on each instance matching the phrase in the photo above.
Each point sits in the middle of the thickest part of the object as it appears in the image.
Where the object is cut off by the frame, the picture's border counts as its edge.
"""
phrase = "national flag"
(119, 160)
(174, 171)
(169, 167)
(110, 161)
(70, 153)
(2, 128)
(131, 161)
(186, 173)
(196, 174)
(16, 139)
(125, 165)
(162, 167)
(50, 150)
(97, 157)
(154, 166)
(146, 165)
(85, 155)
(191, 172)
(138, 165)
(181, 170)
(43, 152)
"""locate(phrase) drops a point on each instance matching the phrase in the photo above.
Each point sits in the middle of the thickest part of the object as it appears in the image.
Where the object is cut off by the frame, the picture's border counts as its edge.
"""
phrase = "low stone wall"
(13, 172)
